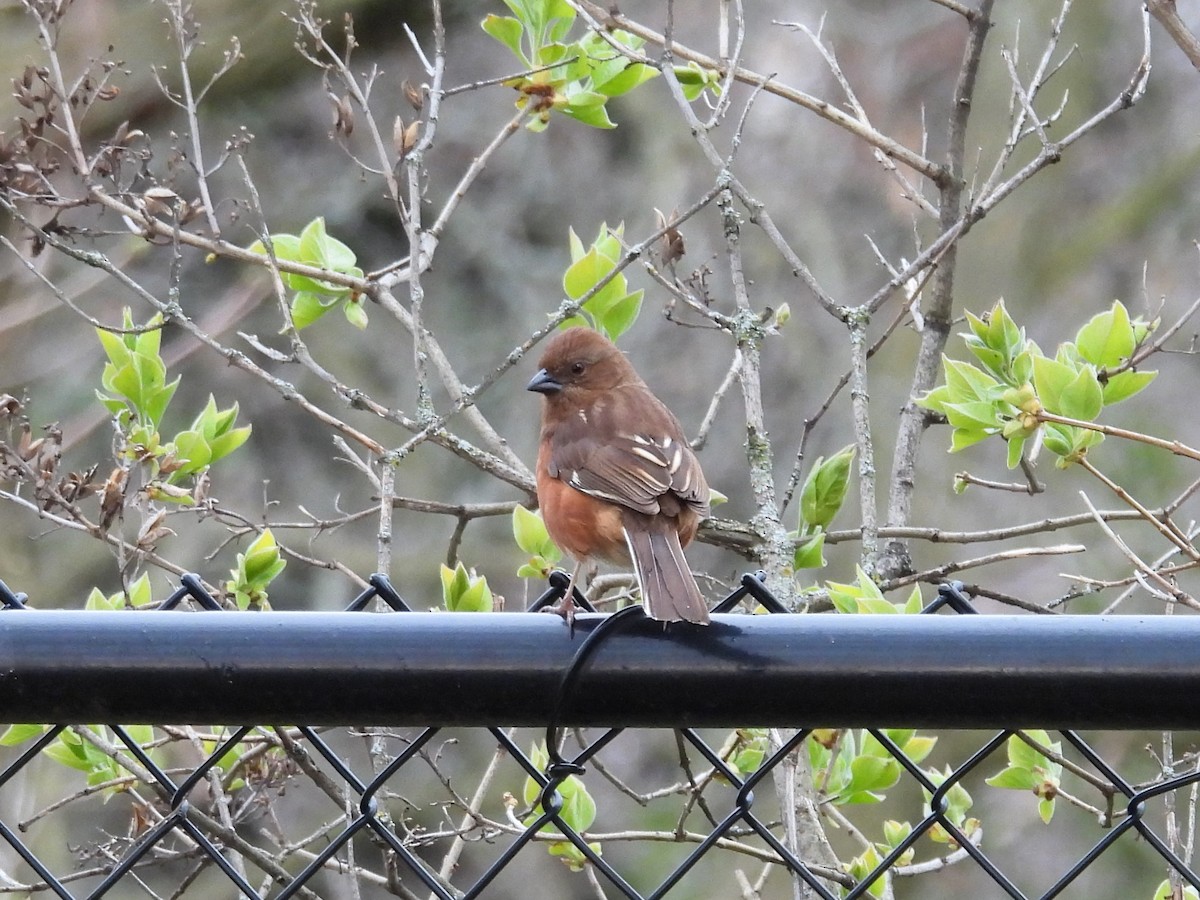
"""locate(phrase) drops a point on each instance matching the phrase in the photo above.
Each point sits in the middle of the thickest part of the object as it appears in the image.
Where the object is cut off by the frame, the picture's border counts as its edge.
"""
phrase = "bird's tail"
(669, 591)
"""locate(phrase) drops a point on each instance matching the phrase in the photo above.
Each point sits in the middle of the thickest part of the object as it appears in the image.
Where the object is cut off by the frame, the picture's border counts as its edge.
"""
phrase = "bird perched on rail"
(616, 479)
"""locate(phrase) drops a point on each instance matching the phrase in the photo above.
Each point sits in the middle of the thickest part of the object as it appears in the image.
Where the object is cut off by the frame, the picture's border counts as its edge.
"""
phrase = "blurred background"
(1116, 218)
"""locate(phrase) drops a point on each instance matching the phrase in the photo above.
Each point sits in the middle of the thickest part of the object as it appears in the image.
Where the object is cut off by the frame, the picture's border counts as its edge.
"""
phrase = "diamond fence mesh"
(464, 806)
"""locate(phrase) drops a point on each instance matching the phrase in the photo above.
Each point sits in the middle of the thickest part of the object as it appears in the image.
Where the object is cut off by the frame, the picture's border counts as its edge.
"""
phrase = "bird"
(616, 477)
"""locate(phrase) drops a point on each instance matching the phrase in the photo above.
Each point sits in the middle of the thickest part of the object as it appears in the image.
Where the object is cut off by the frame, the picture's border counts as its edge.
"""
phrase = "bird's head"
(578, 363)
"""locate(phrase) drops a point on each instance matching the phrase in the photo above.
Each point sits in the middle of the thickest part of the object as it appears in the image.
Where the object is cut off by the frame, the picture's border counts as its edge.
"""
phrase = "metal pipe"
(505, 669)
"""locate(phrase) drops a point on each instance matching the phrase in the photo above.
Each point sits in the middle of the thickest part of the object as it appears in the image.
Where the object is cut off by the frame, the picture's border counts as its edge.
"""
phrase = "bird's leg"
(565, 607)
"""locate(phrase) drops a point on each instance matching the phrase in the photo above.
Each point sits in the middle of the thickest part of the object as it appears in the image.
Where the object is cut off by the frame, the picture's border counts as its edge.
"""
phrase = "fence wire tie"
(10, 599)
(560, 769)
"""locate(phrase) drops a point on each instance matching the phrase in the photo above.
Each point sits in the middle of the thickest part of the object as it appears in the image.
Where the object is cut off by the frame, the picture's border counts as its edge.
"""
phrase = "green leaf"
(140, 592)
(936, 399)
(1016, 448)
(1046, 809)
(809, 552)
(629, 78)
(968, 383)
(619, 317)
(255, 570)
(825, 488)
(579, 809)
(918, 747)
(1013, 778)
(259, 553)
(114, 348)
(1124, 385)
(582, 275)
(142, 735)
(313, 285)
(601, 61)
(958, 800)
(192, 449)
(852, 598)
(70, 751)
(18, 734)
(978, 326)
(550, 54)
(695, 80)
(507, 31)
(863, 865)
(1021, 754)
(1022, 366)
(530, 532)
(286, 246)
(1082, 398)
(262, 567)
(973, 414)
(871, 774)
(994, 360)
(96, 601)
(895, 833)
(312, 243)
(557, 16)
(915, 602)
(540, 759)
(1050, 379)
(961, 438)
(464, 591)
(307, 307)
(576, 245)
(1107, 339)
(606, 297)
(589, 114)
(1165, 892)
(338, 256)
(750, 747)
(1058, 439)
(1003, 333)
(608, 240)
(454, 582)
(127, 382)
(476, 598)
(876, 606)
(206, 420)
(157, 401)
(228, 442)
(356, 313)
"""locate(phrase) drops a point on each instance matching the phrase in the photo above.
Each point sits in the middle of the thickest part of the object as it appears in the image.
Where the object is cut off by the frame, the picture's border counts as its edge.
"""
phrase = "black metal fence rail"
(438, 670)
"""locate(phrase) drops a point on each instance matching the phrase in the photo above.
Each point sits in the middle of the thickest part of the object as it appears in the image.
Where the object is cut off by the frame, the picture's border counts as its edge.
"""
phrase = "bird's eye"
(577, 368)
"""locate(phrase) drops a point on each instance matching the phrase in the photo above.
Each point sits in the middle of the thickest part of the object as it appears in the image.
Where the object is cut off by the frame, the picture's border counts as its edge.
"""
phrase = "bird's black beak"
(543, 383)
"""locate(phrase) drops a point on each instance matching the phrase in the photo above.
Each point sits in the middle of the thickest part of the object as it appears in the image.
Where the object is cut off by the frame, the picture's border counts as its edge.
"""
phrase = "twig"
(710, 415)
(184, 45)
(938, 312)
(1168, 16)
(612, 19)
(1165, 527)
(860, 406)
(1165, 585)
(1177, 447)
(939, 573)
(1016, 487)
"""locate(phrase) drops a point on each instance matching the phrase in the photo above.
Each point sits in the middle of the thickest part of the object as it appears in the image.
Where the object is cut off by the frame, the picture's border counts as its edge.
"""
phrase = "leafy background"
(1116, 220)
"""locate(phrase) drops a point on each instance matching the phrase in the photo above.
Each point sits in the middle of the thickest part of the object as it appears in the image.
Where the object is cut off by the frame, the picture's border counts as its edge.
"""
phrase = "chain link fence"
(462, 805)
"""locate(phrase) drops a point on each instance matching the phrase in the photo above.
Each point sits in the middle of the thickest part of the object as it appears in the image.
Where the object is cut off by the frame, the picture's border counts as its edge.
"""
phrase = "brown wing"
(628, 448)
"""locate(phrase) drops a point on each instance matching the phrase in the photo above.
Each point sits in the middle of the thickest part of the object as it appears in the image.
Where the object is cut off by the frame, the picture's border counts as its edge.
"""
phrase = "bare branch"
(613, 19)
(1168, 17)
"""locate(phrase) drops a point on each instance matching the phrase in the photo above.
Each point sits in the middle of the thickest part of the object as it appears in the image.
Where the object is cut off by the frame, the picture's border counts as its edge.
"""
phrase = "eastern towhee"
(616, 479)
